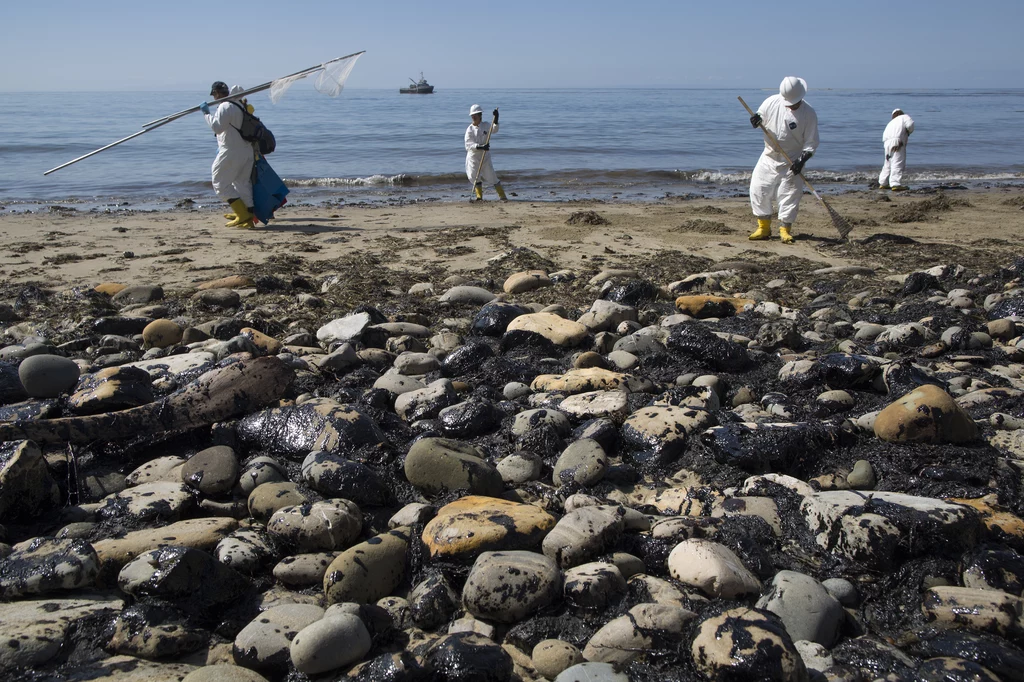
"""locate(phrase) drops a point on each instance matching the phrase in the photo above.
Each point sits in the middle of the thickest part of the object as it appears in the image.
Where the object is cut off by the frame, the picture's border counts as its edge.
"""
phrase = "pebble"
(925, 415)
(48, 565)
(329, 644)
(436, 464)
(712, 568)
(265, 642)
(508, 586)
(211, 471)
(323, 525)
(746, 642)
(582, 534)
(807, 610)
(583, 469)
(162, 334)
(368, 571)
(475, 524)
(584, 462)
(47, 376)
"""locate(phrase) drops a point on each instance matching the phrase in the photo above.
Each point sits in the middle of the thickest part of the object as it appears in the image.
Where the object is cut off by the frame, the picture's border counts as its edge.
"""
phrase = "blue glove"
(205, 108)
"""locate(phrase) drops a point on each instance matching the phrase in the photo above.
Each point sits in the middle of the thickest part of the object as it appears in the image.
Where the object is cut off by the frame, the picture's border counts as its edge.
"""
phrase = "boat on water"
(419, 87)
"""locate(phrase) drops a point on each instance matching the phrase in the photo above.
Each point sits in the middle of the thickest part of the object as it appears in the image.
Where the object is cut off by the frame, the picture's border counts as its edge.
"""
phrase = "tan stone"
(110, 288)
(229, 282)
(701, 306)
(589, 379)
(268, 343)
(998, 525)
(162, 334)
(526, 281)
(925, 415)
(974, 609)
(557, 330)
(476, 524)
(594, 404)
(196, 533)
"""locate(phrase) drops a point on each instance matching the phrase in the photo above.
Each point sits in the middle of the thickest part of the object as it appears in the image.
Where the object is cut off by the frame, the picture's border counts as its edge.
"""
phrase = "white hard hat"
(475, 109)
(897, 110)
(792, 89)
(235, 89)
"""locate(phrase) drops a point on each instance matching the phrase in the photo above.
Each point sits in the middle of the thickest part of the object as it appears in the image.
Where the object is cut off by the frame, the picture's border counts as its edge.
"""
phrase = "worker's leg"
(883, 177)
(791, 189)
(242, 186)
(897, 164)
(763, 183)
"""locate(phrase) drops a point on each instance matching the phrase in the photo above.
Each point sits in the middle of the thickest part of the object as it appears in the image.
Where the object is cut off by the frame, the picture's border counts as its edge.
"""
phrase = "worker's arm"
(470, 144)
(227, 115)
(909, 125)
(811, 137)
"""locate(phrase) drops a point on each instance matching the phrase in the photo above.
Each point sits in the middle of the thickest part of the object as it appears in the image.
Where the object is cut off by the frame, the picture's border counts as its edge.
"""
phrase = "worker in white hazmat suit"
(894, 140)
(478, 157)
(232, 169)
(795, 124)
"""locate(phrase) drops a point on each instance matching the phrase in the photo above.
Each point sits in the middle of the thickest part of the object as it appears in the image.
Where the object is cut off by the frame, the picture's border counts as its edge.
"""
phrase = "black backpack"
(253, 130)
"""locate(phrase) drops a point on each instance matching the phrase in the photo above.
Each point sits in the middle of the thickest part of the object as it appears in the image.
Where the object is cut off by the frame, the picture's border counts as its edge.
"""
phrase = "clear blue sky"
(61, 45)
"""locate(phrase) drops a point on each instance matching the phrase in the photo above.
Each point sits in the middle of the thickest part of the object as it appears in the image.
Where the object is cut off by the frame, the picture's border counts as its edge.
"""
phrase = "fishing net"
(330, 78)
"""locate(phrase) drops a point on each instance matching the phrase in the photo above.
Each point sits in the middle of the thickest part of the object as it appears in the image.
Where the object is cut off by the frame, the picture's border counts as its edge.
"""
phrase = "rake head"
(841, 224)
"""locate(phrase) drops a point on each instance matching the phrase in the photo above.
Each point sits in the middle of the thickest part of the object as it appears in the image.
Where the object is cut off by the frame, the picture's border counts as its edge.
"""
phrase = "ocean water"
(379, 145)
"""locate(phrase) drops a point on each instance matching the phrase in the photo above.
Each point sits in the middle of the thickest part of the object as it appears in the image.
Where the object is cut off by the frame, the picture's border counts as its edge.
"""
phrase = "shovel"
(841, 224)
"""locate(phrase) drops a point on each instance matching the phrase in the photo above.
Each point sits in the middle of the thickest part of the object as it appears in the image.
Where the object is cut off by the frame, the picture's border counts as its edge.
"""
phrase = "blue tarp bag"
(268, 191)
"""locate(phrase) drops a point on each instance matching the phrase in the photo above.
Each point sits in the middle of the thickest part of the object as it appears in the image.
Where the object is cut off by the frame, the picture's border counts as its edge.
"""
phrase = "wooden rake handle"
(775, 143)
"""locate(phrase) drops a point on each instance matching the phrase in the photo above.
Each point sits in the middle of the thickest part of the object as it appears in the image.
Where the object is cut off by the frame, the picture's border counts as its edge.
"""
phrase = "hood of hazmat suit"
(792, 90)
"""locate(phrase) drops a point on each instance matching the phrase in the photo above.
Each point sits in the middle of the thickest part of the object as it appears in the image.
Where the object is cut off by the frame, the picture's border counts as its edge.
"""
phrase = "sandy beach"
(65, 248)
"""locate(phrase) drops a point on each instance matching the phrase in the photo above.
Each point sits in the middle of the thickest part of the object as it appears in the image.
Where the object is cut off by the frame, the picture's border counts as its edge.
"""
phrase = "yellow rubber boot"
(784, 235)
(479, 191)
(231, 216)
(243, 218)
(764, 229)
(501, 192)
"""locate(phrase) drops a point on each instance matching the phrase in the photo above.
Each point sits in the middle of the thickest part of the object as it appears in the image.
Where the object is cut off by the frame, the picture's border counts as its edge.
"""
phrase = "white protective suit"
(797, 132)
(894, 139)
(477, 159)
(232, 169)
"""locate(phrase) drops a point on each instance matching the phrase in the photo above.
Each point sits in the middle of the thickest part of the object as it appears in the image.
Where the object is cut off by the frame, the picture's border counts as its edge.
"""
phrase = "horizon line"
(554, 87)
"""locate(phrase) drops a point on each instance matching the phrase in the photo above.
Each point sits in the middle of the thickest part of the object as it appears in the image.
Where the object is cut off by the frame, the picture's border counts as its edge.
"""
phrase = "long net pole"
(153, 125)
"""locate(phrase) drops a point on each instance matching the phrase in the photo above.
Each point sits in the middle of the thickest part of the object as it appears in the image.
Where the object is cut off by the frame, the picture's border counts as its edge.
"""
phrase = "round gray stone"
(583, 462)
(330, 643)
(842, 589)
(436, 464)
(47, 376)
(806, 608)
(509, 586)
(552, 656)
(520, 467)
(324, 525)
(261, 470)
(266, 641)
(862, 477)
(211, 471)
